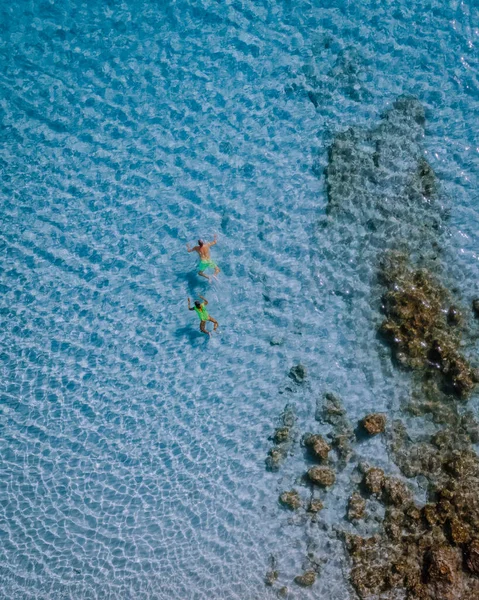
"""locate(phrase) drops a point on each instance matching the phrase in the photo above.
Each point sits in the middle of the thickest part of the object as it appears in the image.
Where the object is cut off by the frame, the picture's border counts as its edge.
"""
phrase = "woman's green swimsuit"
(202, 313)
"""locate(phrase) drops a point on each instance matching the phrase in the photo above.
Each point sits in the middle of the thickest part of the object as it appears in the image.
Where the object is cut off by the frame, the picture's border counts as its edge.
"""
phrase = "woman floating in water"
(200, 309)
(203, 250)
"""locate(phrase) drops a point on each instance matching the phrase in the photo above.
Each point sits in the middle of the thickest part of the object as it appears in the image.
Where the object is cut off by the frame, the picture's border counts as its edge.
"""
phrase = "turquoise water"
(132, 448)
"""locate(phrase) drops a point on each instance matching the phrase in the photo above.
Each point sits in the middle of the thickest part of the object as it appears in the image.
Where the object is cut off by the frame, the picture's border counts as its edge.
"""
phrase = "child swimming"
(199, 308)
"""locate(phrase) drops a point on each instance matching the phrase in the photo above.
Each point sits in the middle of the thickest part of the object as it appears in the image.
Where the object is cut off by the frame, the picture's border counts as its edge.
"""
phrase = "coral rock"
(322, 476)
(374, 423)
(356, 507)
(342, 444)
(472, 557)
(470, 426)
(270, 578)
(288, 416)
(290, 499)
(333, 411)
(429, 513)
(475, 306)
(459, 532)
(306, 579)
(274, 459)
(454, 316)
(281, 435)
(315, 506)
(374, 481)
(415, 324)
(427, 178)
(441, 564)
(298, 373)
(368, 581)
(396, 492)
(318, 446)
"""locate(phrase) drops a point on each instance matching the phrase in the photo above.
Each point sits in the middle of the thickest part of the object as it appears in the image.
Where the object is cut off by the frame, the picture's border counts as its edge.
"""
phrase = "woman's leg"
(215, 323)
(203, 328)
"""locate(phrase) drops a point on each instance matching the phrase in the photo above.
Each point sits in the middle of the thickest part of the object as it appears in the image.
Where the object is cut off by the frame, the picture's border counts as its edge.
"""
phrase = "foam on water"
(132, 448)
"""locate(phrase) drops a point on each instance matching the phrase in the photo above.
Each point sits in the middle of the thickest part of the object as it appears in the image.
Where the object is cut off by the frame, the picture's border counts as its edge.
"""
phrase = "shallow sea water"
(132, 448)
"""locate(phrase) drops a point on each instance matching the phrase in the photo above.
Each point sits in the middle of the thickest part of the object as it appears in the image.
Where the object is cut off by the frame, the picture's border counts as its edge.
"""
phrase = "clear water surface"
(132, 448)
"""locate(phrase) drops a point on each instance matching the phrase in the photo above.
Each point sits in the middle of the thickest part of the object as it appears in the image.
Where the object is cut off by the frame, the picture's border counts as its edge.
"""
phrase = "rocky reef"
(298, 373)
(330, 410)
(290, 499)
(273, 574)
(418, 324)
(306, 579)
(411, 530)
(322, 476)
(422, 551)
(380, 181)
(318, 478)
(430, 552)
(347, 76)
(282, 438)
(373, 424)
(382, 195)
(356, 507)
(318, 446)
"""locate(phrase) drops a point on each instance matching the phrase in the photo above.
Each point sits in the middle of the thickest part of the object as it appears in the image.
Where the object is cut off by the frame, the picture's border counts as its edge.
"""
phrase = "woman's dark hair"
(197, 304)
(200, 243)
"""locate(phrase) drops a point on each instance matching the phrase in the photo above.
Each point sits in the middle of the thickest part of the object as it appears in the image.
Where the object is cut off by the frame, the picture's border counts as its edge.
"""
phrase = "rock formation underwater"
(382, 191)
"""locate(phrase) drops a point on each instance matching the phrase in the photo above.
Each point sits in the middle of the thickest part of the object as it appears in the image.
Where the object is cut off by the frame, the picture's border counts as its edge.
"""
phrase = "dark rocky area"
(373, 424)
(416, 324)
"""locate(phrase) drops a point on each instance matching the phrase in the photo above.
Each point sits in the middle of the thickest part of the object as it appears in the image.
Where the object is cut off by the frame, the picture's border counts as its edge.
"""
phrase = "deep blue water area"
(132, 447)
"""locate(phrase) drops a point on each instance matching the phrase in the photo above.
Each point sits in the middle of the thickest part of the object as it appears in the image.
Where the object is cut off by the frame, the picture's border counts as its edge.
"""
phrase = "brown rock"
(459, 531)
(318, 446)
(396, 492)
(322, 476)
(462, 464)
(441, 564)
(274, 459)
(430, 514)
(470, 426)
(416, 324)
(290, 499)
(444, 510)
(270, 578)
(356, 507)
(472, 557)
(374, 481)
(454, 316)
(315, 506)
(393, 530)
(306, 579)
(374, 423)
(281, 435)
(368, 581)
(413, 513)
(441, 439)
